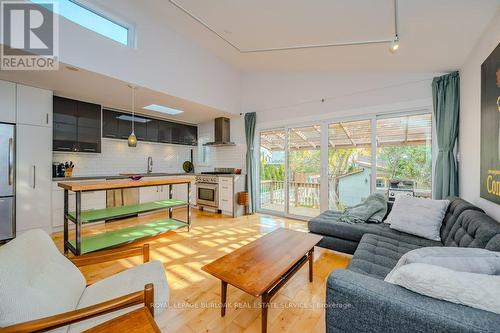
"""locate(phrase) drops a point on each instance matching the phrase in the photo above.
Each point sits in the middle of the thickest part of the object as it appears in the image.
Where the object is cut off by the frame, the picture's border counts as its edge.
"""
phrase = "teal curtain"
(446, 100)
(250, 136)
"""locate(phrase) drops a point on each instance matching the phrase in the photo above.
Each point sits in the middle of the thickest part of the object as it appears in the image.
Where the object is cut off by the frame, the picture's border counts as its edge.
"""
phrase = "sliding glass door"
(349, 163)
(404, 154)
(307, 169)
(304, 170)
(272, 170)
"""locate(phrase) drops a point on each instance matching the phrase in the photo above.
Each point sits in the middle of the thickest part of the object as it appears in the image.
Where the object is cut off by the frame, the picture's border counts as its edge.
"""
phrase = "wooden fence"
(302, 194)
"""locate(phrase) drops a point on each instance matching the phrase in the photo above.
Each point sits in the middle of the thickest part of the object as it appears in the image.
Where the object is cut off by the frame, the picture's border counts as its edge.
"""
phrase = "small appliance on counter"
(60, 170)
(57, 170)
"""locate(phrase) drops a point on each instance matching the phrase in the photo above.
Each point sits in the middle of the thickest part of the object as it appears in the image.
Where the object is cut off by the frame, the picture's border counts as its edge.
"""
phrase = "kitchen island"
(123, 236)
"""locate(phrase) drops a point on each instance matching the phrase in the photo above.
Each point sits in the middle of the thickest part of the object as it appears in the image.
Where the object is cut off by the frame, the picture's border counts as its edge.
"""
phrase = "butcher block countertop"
(118, 184)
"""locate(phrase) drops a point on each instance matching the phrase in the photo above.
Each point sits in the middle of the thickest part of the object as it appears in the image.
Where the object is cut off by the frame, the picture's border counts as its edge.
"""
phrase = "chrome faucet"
(150, 164)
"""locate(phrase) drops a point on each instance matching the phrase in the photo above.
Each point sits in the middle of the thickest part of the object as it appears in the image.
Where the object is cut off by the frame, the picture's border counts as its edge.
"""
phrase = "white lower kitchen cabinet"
(226, 195)
(149, 194)
(179, 192)
(33, 177)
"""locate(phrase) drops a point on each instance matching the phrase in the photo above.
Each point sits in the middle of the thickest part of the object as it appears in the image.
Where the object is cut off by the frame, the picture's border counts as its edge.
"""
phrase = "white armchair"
(41, 289)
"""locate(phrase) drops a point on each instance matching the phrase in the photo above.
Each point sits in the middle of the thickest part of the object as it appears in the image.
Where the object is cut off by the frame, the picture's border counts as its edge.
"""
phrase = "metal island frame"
(125, 235)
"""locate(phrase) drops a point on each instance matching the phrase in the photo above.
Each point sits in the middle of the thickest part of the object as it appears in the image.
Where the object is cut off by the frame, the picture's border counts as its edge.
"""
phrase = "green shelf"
(127, 235)
(95, 215)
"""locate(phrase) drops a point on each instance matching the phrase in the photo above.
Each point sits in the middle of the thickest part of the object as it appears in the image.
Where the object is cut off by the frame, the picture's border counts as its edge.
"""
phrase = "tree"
(408, 162)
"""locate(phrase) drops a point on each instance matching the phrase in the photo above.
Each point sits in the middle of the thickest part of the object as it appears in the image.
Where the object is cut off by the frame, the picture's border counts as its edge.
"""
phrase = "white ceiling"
(109, 92)
(436, 35)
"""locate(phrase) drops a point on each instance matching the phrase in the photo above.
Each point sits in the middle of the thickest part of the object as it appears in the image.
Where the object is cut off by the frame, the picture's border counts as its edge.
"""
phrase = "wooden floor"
(194, 295)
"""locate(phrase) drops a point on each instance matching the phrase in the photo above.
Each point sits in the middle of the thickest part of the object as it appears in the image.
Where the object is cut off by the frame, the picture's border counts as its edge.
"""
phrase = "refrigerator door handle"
(11, 161)
(34, 176)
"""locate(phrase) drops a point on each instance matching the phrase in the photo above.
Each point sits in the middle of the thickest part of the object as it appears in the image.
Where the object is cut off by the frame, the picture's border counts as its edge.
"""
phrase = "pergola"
(407, 130)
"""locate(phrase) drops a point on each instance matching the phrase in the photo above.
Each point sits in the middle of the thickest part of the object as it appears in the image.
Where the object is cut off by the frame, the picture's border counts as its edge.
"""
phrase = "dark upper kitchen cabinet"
(140, 128)
(191, 137)
(110, 124)
(65, 124)
(152, 130)
(89, 127)
(119, 125)
(77, 126)
(165, 131)
(124, 126)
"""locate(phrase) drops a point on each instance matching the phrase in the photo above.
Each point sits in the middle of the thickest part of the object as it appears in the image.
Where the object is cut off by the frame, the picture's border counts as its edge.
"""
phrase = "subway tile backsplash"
(116, 157)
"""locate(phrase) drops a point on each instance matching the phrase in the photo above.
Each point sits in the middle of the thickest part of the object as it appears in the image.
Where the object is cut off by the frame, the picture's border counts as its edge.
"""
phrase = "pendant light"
(132, 139)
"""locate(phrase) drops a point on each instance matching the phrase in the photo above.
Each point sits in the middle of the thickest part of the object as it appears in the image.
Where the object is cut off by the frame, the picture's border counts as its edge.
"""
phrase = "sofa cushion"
(474, 229)
(418, 216)
(36, 280)
(377, 255)
(455, 209)
(123, 283)
(479, 291)
(328, 224)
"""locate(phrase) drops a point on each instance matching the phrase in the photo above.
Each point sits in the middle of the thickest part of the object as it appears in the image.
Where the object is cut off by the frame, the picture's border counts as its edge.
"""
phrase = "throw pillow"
(463, 259)
(475, 290)
(419, 217)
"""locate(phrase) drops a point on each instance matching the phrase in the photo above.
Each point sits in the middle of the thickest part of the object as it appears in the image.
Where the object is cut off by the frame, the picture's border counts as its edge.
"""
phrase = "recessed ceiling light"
(163, 109)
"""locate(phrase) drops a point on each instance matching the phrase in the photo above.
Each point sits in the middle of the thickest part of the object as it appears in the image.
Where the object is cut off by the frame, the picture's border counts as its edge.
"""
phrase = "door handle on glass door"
(11, 158)
(34, 176)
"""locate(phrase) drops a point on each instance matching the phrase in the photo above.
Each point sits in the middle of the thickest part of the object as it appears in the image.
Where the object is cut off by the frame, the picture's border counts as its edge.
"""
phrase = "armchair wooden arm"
(145, 297)
(109, 255)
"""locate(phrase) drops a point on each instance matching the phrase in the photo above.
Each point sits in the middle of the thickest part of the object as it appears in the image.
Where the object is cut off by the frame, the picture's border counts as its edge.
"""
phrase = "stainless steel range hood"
(222, 133)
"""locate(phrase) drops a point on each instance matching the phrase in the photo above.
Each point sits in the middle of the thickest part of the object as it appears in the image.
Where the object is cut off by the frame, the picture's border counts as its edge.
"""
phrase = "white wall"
(117, 157)
(165, 62)
(470, 119)
(289, 97)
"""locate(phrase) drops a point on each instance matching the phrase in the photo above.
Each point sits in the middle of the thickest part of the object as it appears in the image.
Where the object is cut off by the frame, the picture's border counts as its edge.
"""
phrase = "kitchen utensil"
(188, 167)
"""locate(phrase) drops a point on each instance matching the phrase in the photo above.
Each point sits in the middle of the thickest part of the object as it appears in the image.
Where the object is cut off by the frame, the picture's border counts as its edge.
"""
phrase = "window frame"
(106, 15)
(324, 123)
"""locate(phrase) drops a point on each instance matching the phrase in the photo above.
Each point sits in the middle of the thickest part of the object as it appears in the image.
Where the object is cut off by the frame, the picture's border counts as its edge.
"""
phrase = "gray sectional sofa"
(358, 299)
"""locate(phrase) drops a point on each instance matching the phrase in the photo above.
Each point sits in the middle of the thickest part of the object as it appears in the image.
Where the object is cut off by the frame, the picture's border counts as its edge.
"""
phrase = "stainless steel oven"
(207, 191)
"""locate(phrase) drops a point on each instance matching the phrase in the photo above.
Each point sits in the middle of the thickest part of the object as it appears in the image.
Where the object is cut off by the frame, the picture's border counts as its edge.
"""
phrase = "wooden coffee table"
(263, 266)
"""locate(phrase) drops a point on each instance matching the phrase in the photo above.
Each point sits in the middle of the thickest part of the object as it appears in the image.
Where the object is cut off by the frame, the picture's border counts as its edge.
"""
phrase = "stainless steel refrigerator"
(7, 182)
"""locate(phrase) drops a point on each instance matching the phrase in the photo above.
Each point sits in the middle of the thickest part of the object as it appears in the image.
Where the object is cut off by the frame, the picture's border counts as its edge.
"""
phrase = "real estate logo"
(29, 36)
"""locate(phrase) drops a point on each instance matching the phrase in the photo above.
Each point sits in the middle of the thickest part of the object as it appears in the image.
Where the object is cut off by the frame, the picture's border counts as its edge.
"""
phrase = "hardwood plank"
(119, 183)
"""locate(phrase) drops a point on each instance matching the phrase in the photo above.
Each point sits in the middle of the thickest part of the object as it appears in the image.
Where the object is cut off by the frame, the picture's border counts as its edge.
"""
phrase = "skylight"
(163, 109)
(90, 19)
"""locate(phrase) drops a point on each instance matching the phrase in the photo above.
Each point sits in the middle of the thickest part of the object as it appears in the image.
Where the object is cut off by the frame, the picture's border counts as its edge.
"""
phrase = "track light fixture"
(394, 45)
(393, 41)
